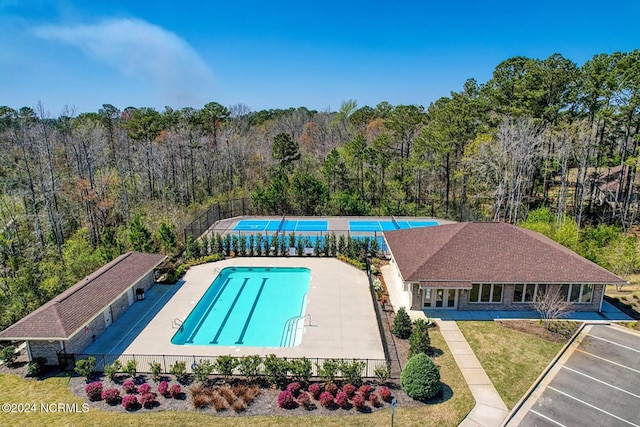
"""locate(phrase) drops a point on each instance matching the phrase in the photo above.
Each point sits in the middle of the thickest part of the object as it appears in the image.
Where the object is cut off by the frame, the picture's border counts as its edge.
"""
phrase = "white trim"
(28, 350)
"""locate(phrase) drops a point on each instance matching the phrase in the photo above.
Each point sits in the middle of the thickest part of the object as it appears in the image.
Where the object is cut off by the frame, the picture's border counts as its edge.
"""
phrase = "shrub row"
(330, 396)
(145, 396)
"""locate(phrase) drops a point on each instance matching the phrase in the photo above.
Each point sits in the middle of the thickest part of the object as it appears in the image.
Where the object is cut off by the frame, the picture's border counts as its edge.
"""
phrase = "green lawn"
(512, 359)
(54, 390)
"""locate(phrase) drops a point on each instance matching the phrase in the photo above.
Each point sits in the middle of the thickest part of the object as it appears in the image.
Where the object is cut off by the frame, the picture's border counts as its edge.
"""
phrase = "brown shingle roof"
(489, 252)
(61, 317)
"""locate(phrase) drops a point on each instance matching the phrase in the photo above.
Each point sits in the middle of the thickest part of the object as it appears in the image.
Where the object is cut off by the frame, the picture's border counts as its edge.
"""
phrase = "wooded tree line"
(75, 188)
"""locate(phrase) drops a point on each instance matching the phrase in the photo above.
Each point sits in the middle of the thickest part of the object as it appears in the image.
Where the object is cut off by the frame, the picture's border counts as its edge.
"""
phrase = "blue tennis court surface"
(279, 225)
(368, 226)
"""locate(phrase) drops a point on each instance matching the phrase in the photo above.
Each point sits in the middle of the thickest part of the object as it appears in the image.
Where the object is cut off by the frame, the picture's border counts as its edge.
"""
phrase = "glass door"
(440, 298)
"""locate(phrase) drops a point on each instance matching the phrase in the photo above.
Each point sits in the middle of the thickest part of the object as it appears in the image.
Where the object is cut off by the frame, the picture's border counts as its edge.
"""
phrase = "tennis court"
(280, 225)
(369, 226)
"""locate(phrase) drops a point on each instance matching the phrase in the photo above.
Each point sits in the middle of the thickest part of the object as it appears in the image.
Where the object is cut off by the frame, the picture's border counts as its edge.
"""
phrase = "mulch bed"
(534, 327)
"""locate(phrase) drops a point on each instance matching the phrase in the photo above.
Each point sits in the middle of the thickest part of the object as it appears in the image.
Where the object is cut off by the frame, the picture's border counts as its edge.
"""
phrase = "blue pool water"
(244, 306)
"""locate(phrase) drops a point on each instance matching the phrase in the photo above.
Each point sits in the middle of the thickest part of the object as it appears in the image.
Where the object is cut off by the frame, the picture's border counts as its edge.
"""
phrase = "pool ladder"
(290, 329)
(177, 323)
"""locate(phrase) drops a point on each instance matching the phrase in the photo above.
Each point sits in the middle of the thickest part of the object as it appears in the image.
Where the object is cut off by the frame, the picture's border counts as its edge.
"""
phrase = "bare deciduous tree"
(551, 305)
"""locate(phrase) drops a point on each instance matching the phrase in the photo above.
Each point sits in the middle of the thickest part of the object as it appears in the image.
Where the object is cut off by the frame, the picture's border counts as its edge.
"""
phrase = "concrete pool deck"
(342, 321)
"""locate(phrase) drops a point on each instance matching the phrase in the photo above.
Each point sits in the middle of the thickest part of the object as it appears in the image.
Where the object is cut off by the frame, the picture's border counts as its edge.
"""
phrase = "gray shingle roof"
(61, 317)
(489, 252)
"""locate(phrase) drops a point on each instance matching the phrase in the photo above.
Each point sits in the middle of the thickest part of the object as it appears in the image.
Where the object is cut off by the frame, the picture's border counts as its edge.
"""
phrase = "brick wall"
(45, 349)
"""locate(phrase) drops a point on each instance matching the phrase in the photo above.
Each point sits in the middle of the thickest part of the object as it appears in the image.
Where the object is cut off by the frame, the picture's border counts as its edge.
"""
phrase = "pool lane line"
(226, 318)
(206, 314)
(253, 307)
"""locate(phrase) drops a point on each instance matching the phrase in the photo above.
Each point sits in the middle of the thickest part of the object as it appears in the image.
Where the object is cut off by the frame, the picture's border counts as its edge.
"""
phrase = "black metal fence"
(376, 306)
(166, 361)
(217, 212)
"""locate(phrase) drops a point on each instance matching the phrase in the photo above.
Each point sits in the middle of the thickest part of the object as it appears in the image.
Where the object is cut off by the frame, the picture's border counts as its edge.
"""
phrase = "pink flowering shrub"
(331, 388)
(285, 399)
(326, 399)
(163, 388)
(144, 388)
(148, 400)
(315, 389)
(373, 399)
(175, 391)
(129, 402)
(94, 390)
(342, 400)
(349, 389)
(294, 388)
(384, 393)
(304, 400)
(129, 386)
(365, 391)
(111, 396)
(359, 402)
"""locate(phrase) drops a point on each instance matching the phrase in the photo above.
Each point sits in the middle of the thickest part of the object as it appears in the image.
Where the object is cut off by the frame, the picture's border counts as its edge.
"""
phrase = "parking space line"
(607, 360)
(547, 418)
(592, 406)
(602, 382)
(615, 343)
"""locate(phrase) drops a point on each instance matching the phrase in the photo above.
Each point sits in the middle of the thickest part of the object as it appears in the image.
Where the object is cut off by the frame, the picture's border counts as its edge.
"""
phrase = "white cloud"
(134, 47)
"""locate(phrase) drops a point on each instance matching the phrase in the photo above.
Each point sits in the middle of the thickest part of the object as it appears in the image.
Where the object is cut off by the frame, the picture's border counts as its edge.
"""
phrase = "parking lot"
(596, 383)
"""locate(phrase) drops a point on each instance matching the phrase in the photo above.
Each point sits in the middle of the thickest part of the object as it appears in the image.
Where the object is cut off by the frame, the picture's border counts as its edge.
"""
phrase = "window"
(530, 291)
(518, 293)
(574, 296)
(564, 291)
(485, 292)
(587, 293)
(540, 291)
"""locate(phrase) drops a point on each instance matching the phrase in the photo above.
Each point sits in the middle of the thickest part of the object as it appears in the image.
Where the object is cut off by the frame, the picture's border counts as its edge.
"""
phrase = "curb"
(544, 373)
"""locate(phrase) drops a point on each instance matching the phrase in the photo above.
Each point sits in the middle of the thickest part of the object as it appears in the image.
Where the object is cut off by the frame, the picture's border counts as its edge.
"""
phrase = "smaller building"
(492, 266)
(75, 318)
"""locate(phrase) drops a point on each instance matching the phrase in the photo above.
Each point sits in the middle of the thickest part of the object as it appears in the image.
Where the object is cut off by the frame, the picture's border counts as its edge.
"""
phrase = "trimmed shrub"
(179, 370)
(365, 391)
(163, 388)
(342, 400)
(374, 400)
(8, 355)
(225, 365)
(304, 400)
(94, 390)
(331, 388)
(156, 370)
(148, 400)
(129, 386)
(144, 389)
(111, 396)
(300, 369)
(385, 394)
(382, 374)
(315, 389)
(130, 402)
(84, 367)
(294, 388)
(419, 341)
(175, 391)
(249, 366)
(276, 369)
(326, 399)
(202, 370)
(36, 367)
(401, 324)
(359, 402)
(420, 378)
(111, 370)
(131, 368)
(349, 389)
(352, 371)
(285, 400)
(329, 369)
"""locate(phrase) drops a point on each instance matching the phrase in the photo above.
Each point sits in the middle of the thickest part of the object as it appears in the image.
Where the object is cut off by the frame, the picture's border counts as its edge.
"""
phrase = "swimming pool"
(251, 307)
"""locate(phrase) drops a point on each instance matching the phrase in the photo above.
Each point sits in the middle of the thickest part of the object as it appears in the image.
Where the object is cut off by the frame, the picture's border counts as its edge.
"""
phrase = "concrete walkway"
(490, 409)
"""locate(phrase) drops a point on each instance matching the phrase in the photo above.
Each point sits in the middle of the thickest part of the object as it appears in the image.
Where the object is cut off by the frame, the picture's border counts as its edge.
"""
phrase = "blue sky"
(83, 54)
